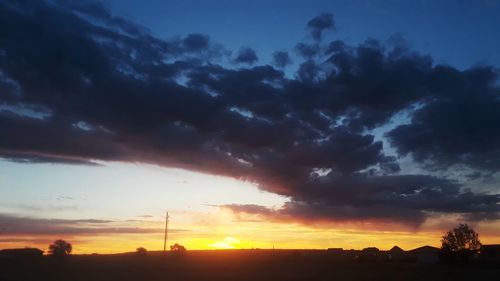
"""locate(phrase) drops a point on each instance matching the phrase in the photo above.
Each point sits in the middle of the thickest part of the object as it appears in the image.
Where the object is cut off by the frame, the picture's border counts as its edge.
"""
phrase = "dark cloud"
(145, 216)
(319, 24)
(246, 55)
(281, 59)
(307, 50)
(309, 71)
(460, 125)
(196, 42)
(93, 87)
(27, 240)
(15, 225)
(336, 46)
(312, 214)
(406, 199)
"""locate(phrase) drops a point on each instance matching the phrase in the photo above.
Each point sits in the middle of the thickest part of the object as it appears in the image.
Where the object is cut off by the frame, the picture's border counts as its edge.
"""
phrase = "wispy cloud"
(18, 225)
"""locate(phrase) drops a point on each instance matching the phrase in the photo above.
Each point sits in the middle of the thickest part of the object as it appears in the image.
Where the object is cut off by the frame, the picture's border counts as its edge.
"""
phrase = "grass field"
(234, 265)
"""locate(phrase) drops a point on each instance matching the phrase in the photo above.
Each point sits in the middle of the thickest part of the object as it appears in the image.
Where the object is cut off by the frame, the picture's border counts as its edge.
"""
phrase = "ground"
(234, 265)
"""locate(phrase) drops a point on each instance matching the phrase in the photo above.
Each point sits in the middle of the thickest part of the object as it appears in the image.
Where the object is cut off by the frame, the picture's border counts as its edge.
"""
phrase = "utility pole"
(166, 234)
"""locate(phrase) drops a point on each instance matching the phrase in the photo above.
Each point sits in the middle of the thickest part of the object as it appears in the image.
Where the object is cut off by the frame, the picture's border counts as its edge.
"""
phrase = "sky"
(256, 124)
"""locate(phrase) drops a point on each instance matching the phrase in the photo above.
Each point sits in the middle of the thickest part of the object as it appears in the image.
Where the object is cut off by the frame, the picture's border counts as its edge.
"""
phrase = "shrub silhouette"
(141, 252)
(60, 248)
(459, 244)
(178, 248)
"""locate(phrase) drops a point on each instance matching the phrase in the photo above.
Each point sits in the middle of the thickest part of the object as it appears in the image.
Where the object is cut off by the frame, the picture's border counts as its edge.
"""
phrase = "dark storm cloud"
(319, 24)
(53, 140)
(460, 125)
(308, 71)
(90, 86)
(246, 55)
(405, 199)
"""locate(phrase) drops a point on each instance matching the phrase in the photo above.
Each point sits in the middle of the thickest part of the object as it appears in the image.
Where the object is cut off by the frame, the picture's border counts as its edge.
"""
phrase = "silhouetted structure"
(22, 253)
(369, 254)
(335, 250)
(371, 251)
(427, 254)
(490, 253)
(398, 254)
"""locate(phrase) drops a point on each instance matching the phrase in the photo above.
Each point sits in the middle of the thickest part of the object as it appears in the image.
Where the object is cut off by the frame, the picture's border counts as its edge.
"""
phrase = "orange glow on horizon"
(247, 235)
(221, 229)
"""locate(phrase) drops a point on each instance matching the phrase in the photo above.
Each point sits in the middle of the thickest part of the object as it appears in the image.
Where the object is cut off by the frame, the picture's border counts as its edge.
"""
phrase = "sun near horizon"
(105, 212)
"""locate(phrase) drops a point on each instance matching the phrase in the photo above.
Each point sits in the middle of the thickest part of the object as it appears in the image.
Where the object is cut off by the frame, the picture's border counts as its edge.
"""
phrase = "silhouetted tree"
(141, 252)
(60, 248)
(459, 244)
(177, 248)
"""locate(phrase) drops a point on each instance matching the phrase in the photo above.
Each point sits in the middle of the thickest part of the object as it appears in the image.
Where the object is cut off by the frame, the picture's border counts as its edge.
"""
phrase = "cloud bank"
(15, 225)
(78, 84)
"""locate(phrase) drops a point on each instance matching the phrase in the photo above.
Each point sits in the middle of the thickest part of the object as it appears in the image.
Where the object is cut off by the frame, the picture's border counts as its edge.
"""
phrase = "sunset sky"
(256, 124)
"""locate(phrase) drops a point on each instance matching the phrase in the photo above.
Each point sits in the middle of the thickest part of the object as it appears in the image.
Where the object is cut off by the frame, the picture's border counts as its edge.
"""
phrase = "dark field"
(234, 265)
